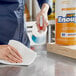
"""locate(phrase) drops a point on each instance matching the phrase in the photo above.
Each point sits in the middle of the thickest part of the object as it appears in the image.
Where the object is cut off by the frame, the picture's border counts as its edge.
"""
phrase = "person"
(12, 26)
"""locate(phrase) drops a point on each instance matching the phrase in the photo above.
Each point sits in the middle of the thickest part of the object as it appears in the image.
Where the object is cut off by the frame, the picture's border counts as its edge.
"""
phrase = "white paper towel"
(27, 54)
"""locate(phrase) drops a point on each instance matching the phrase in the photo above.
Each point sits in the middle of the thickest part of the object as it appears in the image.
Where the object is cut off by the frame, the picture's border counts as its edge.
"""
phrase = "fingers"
(38, 27)
(12, 58)
(45, 20)
(38, 23)
(14, 55)
(17, 58)
(8, 59)
(45, 23)
(16, 52)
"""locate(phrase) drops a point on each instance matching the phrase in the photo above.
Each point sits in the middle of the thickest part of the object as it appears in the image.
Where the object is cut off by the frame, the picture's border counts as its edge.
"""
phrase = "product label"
(68, 35)
(70, 18)
(66, 22)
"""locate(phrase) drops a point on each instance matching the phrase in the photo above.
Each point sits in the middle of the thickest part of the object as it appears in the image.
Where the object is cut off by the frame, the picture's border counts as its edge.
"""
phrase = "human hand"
(43, 13)
(10, 54)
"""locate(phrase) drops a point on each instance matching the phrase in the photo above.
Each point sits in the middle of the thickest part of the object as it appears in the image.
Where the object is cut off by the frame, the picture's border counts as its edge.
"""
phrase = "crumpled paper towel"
(27, 54)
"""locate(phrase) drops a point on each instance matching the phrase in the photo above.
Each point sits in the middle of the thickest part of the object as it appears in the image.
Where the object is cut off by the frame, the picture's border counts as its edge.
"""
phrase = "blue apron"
(12, 21)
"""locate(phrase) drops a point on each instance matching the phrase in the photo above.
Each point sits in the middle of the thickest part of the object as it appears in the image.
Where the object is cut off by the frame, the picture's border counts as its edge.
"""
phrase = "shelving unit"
(31, 23)
(51, 31)
(68, 51)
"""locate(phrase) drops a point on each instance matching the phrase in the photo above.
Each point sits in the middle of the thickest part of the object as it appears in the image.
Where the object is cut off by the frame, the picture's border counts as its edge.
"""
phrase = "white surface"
(27, 54)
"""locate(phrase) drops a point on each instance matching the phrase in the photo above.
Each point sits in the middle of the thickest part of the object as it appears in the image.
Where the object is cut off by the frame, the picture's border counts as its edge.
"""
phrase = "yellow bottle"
(52, 15)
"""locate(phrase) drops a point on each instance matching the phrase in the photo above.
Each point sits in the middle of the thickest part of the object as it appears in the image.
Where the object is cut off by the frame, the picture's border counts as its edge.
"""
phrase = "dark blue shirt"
(12, 21)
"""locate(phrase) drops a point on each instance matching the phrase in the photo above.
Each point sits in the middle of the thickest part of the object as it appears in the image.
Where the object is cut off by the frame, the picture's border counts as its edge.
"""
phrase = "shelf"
(31, 23)
(68, 51)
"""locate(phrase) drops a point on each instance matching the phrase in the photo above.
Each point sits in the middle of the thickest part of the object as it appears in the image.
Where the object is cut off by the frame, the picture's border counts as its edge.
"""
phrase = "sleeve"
(50, 2)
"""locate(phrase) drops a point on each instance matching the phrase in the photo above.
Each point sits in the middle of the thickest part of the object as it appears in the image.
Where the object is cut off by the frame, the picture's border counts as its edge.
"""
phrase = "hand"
(10, 54)
(43, 13)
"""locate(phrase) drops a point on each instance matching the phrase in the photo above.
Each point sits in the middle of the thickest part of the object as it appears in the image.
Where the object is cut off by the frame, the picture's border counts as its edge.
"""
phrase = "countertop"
(46, 64)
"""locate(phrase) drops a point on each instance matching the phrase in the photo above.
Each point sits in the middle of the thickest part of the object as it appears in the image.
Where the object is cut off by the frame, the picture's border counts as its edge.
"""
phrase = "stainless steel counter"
(46, 64)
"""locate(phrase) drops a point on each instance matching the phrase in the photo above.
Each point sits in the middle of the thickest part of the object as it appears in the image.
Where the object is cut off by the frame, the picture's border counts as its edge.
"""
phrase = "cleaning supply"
(27, 54)
(39, 37)
(66, 22)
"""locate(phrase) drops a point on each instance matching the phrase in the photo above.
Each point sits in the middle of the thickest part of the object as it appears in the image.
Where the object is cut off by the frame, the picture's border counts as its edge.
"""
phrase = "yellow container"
(66, 22)
(52, 15)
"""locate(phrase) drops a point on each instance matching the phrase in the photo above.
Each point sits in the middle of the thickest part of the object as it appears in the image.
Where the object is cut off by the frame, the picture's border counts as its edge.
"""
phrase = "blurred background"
(32, 9)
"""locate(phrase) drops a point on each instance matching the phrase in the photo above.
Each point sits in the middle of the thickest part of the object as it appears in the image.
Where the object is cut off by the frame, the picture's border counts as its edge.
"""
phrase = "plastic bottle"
(39, 37)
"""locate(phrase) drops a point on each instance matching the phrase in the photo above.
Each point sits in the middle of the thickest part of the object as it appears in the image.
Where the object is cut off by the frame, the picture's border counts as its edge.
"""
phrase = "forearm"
(48, 2)
(45, 8)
